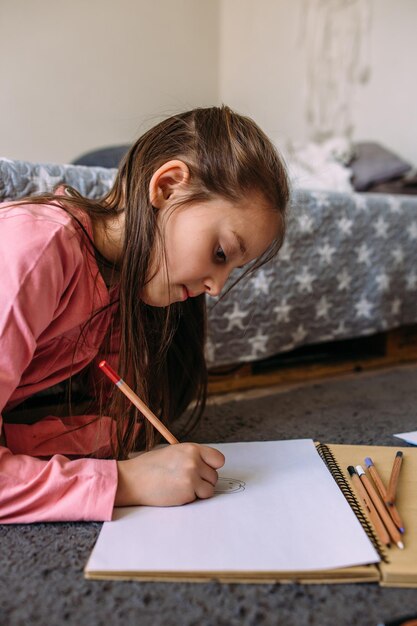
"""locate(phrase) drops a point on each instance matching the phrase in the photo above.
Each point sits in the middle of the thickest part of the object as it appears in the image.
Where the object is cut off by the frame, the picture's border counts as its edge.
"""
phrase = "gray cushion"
(103, 157)
(375, 164)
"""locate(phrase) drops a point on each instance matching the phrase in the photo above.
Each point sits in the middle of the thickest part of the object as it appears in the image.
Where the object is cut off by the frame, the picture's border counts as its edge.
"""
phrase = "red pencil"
(124, 387)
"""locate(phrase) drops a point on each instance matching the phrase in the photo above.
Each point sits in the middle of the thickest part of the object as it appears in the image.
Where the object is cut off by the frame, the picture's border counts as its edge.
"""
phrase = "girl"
(125, 278)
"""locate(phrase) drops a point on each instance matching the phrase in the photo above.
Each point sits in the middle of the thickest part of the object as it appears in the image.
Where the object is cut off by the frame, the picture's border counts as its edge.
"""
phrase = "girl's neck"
(108, 237)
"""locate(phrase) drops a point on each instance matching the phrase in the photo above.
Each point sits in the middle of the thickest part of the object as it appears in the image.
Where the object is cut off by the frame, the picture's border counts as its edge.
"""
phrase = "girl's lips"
(190, 294)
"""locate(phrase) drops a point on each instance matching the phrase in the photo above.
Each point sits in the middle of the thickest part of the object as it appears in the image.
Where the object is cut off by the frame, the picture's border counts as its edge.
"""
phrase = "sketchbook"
(284, 511)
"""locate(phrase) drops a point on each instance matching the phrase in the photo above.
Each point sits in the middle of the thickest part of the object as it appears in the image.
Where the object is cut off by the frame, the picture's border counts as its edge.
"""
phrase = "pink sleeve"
(31, 489)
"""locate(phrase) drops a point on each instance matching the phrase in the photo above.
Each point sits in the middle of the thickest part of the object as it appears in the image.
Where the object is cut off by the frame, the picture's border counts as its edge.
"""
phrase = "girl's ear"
(167, 182)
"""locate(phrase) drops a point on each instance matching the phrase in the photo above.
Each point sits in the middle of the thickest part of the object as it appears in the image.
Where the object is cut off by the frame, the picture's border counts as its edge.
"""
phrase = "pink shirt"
(50, 286)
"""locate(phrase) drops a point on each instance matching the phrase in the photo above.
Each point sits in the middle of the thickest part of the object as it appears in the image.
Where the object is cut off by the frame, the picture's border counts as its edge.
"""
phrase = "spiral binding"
(334, 468)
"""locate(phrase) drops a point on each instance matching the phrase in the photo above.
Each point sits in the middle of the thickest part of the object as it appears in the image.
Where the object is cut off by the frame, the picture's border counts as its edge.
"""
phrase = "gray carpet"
(41, 580)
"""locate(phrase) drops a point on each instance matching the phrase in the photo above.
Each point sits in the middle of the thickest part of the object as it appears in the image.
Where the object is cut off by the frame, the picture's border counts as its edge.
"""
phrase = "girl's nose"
(215, 283)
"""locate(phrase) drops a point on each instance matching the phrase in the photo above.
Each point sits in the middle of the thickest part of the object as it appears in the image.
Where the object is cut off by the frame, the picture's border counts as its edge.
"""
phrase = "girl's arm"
(33, 490)
(37, 270)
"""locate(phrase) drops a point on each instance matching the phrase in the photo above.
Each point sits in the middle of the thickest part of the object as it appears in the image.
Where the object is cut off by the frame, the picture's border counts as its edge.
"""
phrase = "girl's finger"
(212, 457)
(204, 490)
(209, 474)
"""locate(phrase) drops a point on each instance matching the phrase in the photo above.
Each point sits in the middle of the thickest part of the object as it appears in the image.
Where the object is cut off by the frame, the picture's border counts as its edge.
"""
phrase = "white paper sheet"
(287, 515)
(410, 437)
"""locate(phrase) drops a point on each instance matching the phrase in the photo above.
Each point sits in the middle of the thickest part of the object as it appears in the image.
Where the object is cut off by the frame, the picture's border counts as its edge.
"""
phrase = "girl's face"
(204, 242)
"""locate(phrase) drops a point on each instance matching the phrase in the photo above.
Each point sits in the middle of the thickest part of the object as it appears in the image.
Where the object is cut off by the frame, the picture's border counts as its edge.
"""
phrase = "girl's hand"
(168, 476)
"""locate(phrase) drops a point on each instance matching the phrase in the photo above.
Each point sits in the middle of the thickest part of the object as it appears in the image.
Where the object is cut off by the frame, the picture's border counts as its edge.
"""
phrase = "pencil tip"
(400, 545)
(399, 453)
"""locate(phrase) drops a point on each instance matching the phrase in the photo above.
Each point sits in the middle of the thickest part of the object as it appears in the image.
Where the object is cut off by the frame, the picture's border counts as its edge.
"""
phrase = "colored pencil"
(380, 507)
(378, 482)
(380, 529)
(393, 481)
(139, 404)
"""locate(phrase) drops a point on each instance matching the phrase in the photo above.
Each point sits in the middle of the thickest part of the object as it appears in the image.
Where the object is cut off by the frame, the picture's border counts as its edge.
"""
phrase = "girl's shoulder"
(48, 215)
(29, 231)
(23, 219)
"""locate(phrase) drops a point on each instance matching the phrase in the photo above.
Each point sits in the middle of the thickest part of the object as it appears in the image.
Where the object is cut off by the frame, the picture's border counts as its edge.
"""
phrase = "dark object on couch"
(103, 157)
(374, 165)
(405, 185)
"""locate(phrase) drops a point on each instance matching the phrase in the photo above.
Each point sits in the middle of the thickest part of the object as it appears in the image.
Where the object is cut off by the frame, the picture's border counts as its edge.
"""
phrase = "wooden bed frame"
(320, 361)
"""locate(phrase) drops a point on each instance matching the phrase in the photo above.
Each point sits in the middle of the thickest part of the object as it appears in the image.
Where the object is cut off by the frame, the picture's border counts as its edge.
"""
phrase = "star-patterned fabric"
(348, 267)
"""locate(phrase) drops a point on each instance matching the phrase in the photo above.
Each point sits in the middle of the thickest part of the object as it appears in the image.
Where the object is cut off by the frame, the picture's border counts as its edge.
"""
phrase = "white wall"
(260, 64)
(265, 52)
(88, 73)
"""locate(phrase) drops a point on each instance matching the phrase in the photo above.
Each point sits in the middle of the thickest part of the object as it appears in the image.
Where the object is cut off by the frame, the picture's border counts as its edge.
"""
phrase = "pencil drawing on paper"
(229, 485)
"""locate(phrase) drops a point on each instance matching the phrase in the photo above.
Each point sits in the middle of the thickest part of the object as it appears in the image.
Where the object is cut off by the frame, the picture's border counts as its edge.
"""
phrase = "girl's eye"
(220, 255)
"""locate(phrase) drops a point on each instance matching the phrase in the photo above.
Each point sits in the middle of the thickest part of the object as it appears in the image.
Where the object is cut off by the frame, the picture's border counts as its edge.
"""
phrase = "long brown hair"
(162, 349)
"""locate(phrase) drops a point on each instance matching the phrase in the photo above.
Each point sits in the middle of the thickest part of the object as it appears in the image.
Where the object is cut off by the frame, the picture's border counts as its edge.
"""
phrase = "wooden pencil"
(393, 481)
(379, 484)
(139, 404)
(380, 529)
(380, 507)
